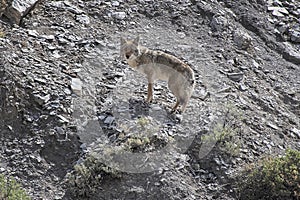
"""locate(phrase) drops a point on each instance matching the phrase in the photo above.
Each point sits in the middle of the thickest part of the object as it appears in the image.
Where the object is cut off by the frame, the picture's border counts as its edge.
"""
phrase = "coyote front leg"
(150, 92)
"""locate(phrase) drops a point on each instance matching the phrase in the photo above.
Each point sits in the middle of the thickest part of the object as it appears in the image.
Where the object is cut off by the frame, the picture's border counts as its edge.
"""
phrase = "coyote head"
(129, 48)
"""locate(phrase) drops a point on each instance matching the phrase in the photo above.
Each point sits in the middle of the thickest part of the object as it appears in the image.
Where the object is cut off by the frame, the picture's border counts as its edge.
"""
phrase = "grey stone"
(242, 87)
(273, 126)
(42, 99)
(63, 119)
(47, 37)
(18, 9)
(109, 120)
(295, 36)
(255, 64)
(62, 40)
(296, 131)
(72, 8)
(84, 19)
(119, 15)
(242, 39)
(219, 23)
(290, 53)
(33, 33)
(115, 3)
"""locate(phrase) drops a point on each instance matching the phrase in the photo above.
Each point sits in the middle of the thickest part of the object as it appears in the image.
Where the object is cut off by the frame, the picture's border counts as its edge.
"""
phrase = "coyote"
(160, 65)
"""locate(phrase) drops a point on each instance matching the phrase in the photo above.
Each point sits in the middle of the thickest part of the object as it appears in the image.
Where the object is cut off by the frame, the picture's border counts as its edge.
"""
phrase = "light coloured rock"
(84, 19)
(33, 33)
(76, 86)
(119, 15)
(18, 9)
(278, 11)
(42, 99)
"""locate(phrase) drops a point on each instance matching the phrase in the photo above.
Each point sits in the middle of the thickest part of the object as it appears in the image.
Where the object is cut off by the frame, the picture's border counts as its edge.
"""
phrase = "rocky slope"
(65, 94)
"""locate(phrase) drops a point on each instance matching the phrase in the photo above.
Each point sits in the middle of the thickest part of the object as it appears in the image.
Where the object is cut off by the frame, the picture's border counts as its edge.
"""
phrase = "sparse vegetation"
(11, 190)
(224, 134)
(142, 137)
(137, 143)
(274, 178)
(87, 175)
(225, 139)
(2, 34)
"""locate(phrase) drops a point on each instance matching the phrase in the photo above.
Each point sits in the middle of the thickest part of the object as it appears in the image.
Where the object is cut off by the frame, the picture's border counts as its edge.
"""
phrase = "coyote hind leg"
(150, 92)
(184, 105)
(176, 106)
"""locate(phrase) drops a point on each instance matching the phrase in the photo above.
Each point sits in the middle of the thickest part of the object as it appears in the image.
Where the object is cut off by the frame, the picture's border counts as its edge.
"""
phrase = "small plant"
(2, 34)
(137, 143)
(276, 178)
(143, 121)
(11, 190)
(88, 175)
(225, 139)
(141, 135)
(224, 134)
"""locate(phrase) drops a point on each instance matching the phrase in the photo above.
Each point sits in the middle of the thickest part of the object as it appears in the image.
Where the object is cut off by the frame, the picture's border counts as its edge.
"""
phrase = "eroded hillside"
(66, 94)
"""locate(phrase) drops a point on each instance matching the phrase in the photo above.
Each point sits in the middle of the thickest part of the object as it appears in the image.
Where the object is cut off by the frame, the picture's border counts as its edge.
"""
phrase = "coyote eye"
(136, 52)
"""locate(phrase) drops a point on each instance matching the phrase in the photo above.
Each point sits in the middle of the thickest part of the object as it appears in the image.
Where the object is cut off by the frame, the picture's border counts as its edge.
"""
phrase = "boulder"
(242, 39)
(17, 9)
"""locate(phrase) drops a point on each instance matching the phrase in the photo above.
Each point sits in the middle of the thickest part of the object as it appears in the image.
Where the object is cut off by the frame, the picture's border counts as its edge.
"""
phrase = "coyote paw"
(149, 100)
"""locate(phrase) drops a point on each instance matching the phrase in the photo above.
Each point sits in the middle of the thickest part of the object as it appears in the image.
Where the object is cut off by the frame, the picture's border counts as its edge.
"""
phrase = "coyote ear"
(123, 41)
(136, 40)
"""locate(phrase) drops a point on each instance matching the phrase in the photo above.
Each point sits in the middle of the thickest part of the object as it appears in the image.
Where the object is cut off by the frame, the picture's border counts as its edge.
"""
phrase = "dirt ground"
(66, 94)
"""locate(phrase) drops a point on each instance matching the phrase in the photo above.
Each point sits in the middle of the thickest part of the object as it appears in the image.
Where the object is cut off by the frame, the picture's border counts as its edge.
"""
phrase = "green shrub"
(276, 178)
(11, 190)
(2, 34)
(88, 175)
(225, 133)
(225, 139)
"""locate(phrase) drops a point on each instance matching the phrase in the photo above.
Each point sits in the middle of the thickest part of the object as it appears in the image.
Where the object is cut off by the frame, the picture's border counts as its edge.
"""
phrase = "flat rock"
(76, 86)
(278, 11)
(237, 77)
(291, 54)
(119, 15)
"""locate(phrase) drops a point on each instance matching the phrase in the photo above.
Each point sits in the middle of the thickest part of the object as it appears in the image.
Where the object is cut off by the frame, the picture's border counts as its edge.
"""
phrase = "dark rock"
(237, 77)
(291, 54)
(295, 35)
(18, 9)
(109, 120)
